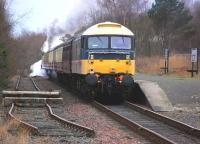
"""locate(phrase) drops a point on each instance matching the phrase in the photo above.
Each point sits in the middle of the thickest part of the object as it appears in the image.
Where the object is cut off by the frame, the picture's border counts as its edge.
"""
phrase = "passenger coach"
(101, 60)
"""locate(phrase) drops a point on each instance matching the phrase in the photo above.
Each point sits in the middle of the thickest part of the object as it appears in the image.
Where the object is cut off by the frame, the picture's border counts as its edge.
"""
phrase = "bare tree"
(196, 20)
(118, 10)
(28, 49)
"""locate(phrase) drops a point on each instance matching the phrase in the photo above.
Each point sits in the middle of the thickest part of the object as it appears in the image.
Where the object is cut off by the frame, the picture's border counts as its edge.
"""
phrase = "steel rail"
(35, 85)
(30, 127)
(169, 121)
(18, 82)
(151, 135)
(52, 94)
(89, 132)
(76, 127)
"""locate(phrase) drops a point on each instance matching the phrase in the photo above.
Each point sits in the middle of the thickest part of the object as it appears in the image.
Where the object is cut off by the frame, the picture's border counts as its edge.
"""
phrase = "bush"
(3, 67)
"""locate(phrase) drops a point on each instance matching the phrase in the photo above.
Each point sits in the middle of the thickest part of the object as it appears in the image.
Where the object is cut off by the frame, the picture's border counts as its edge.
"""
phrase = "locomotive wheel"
(60, 77)
(126, 92)
(83, 89)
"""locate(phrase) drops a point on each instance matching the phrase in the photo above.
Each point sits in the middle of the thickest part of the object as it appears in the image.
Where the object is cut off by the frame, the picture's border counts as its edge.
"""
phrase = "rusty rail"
(89, 132)
(24, 124)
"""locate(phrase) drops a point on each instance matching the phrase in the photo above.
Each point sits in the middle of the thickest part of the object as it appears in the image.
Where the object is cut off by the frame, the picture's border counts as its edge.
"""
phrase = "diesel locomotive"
(101, 60)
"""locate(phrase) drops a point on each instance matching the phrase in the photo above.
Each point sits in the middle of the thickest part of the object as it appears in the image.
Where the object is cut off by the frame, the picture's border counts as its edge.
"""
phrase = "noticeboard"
(166, 54)
(194, 55)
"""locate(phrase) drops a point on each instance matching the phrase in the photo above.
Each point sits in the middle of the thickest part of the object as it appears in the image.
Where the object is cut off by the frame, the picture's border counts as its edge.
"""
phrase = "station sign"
(194, 55)
(166, 54)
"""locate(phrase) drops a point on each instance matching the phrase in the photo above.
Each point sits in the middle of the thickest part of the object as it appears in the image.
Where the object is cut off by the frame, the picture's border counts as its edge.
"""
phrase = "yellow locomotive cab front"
(108, 66)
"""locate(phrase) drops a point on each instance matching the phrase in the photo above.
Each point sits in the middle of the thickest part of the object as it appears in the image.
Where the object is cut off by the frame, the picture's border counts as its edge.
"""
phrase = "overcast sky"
(36, 15)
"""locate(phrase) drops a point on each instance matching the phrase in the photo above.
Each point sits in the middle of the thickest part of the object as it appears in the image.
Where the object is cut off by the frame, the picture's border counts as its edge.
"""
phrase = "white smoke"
(36, 70)
(59, 28)
(54, 33)
(53, 40)
(45, 46)
(51, 43)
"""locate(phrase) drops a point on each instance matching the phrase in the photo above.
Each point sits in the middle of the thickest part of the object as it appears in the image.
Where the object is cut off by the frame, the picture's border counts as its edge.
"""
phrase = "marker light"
(128, 57)
(91, 56)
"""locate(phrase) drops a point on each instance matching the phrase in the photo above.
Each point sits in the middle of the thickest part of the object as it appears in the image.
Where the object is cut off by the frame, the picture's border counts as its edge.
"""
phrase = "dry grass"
(148, 65)
(178, 65)
(4, 135)
(45, 140)
(22, 136)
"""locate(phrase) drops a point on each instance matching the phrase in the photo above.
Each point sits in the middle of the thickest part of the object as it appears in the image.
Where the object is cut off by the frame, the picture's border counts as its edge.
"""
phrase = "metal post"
(168, 61)
(166, 56)
(192, 73)
(197, 60)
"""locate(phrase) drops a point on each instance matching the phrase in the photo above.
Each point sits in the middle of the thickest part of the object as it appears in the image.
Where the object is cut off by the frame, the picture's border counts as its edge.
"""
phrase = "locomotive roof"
(107, 28)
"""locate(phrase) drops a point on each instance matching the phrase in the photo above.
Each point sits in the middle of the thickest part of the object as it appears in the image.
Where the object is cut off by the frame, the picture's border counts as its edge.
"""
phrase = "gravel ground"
(107, 130)
(184, 94)
(179, 90)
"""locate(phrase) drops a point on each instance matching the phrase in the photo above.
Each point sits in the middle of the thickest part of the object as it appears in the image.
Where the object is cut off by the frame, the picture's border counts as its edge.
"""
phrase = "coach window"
(98, 42)
(120, 42)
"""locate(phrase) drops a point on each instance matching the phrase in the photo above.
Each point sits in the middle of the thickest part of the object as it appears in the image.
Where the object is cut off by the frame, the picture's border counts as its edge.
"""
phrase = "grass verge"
(178, 65)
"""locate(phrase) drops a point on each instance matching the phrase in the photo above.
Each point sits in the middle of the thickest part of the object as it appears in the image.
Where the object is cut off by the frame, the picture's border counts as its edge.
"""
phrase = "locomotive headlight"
(128, 57)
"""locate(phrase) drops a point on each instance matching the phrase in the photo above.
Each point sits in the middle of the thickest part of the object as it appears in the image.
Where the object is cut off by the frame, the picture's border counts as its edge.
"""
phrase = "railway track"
(26, 84)
(2, 114)
(153, 126)
(44, 122)
(40, 119)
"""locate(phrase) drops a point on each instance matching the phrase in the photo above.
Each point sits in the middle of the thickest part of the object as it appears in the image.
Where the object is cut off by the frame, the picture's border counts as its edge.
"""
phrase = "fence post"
(198, 60)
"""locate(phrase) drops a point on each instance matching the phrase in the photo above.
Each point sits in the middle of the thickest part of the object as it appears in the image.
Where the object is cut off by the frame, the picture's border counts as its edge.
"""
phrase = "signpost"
(194, 60)
(166, 57)
(194, 55)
